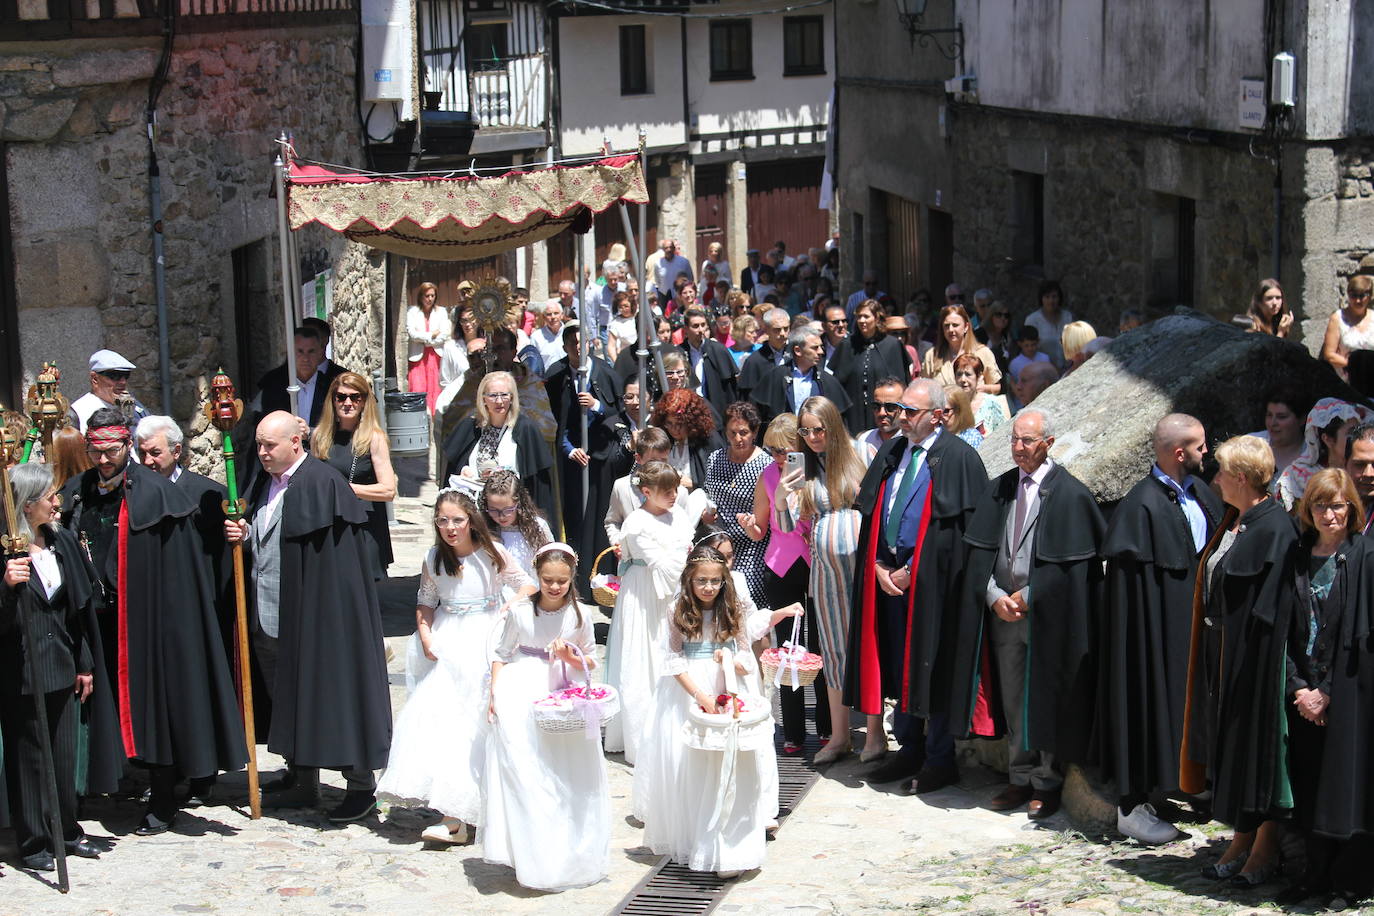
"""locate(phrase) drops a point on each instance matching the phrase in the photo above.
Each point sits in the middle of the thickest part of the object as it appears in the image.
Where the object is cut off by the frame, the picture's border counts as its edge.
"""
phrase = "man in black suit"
(777, 324)
(785, 388)
(314, 374)
(595, 390)
(749, 275)
(711, 365)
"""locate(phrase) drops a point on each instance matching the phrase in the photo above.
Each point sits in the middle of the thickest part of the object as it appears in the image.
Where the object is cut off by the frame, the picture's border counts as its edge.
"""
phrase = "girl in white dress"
(676, 788)
(513, 517)
(654, 543)
(438, 749)
(548, 808)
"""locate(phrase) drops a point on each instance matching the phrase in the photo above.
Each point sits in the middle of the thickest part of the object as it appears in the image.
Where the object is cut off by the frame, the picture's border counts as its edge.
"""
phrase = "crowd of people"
(802, 473)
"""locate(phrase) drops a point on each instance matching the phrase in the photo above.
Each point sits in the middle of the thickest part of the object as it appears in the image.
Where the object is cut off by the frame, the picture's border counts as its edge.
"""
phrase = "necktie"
(1022, 506)
(894, 515)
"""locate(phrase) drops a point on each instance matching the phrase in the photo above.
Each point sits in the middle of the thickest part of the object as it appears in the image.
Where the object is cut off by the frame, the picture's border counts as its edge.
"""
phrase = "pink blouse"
(784, 547)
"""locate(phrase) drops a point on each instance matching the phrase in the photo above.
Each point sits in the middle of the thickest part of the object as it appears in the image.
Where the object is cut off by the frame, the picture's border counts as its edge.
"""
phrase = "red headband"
(107, 435)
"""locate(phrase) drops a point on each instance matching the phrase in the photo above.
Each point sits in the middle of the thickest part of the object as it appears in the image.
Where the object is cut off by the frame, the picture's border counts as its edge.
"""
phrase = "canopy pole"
(293, 386)
(584, 366)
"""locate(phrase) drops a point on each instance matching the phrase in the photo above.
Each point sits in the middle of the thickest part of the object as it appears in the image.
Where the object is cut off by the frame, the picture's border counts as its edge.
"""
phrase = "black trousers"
(24, 767)
(780, 592)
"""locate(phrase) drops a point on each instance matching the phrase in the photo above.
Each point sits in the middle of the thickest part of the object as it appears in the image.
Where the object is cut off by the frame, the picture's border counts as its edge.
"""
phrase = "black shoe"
(901, 766)
(152, 825)
(40, 861)
(199, 792)
(356, 805)
(298, 796)
(283, 782)
(933, 779)
(84, 848)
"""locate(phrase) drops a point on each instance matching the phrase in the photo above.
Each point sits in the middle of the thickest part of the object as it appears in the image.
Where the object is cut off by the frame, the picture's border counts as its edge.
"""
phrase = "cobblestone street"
(848, 849)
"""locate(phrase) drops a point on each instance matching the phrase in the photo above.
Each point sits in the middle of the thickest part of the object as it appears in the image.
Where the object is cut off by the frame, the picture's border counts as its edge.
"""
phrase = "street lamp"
(911, 13)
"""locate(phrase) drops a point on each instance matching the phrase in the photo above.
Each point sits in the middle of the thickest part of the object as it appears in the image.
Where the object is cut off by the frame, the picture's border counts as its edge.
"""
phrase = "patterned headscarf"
(1292, 482)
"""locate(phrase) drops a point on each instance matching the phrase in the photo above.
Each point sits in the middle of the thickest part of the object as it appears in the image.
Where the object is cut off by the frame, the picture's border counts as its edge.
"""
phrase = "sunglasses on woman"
(349, 397)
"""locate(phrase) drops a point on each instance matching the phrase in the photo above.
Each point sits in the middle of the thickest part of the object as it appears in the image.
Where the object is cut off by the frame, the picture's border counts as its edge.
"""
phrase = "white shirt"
(803, 385)
(49, 572)
(306, 396)
(1192, 509)
(549, 344)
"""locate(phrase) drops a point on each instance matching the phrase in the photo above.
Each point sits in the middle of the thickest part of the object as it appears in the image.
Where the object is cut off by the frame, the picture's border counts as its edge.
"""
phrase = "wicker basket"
(791, 665)
(603, 595)
(746, 729)
(585, 708)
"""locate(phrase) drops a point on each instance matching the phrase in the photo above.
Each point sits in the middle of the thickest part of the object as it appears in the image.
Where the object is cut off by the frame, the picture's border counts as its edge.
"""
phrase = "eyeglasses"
(957, 297)
(116, 375)
(886, 406)
(809, 431)
(1325, 508)
(1026, 441)
(676, 373)
(837, 322)
(708, 583)
(348, 397)
(775, 451)
(508, 512)
(913, 412)
(446, 522)
(497, 396)
(107, 452)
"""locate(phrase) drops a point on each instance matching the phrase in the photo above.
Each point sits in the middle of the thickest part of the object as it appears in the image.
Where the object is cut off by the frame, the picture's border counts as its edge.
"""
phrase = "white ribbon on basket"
(725, 791)
(792, 654)
(586, 705)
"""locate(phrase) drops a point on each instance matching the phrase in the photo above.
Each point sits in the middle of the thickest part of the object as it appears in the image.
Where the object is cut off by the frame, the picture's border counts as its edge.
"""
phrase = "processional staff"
(224, 412)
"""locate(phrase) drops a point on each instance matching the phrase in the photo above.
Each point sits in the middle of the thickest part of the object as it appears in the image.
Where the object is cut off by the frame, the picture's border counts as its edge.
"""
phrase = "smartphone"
(794, 462)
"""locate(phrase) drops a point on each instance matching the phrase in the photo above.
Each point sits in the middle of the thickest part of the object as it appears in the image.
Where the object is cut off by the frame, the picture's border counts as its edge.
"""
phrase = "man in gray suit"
(1033, 563)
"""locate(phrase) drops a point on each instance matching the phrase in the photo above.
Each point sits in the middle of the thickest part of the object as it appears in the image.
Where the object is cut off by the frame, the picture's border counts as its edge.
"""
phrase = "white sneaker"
(450, 830)
(1144, 825)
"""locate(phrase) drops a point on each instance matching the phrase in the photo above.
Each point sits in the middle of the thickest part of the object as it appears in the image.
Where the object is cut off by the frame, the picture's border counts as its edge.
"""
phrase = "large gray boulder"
(1105, 411)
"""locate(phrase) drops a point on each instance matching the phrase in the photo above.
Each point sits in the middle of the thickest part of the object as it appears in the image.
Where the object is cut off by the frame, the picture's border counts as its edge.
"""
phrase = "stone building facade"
(1107, 146)
(80, 271)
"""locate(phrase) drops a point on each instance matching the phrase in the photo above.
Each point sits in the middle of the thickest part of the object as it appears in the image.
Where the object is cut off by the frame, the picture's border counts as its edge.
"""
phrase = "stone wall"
(1331, 195)
(1104, 189)
(78, 180)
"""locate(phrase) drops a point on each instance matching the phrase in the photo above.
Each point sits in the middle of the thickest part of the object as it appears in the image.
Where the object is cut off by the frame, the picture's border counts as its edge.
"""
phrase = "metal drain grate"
(675, 890)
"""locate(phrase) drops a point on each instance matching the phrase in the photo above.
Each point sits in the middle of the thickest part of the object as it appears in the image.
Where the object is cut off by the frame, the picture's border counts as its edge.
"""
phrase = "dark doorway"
(257, 340)
(941, 247)
(784, 204)
(710, 188)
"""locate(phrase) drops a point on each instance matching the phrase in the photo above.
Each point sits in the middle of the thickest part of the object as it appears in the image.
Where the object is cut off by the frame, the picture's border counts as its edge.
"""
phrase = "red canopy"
(459, 218)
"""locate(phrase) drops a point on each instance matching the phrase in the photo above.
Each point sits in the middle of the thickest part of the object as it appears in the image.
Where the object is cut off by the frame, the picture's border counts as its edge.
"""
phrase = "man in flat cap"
(109, 387)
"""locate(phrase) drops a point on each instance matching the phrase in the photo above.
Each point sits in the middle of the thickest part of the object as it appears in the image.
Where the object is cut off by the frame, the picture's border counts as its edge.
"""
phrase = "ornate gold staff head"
(223, 410)
(46, 405)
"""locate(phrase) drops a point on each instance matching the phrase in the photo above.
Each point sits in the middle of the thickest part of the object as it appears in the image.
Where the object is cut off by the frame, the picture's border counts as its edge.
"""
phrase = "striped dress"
(834, 549)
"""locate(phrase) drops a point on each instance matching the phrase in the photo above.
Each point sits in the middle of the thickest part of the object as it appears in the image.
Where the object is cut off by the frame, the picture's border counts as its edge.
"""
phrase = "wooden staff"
(16, 546)
(224, 411)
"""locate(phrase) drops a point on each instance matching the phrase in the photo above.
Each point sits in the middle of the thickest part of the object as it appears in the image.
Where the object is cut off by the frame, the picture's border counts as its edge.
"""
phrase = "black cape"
(1234, 711)
(860, 363)
(920, 678)
(1065, 583)
(181, 709)
(535, 463)
(755, 366)
(584, 526)
(209, 496)
(1336, 799)
(330, 703)
(1151, 571)
(770, 395)
(718, 372)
